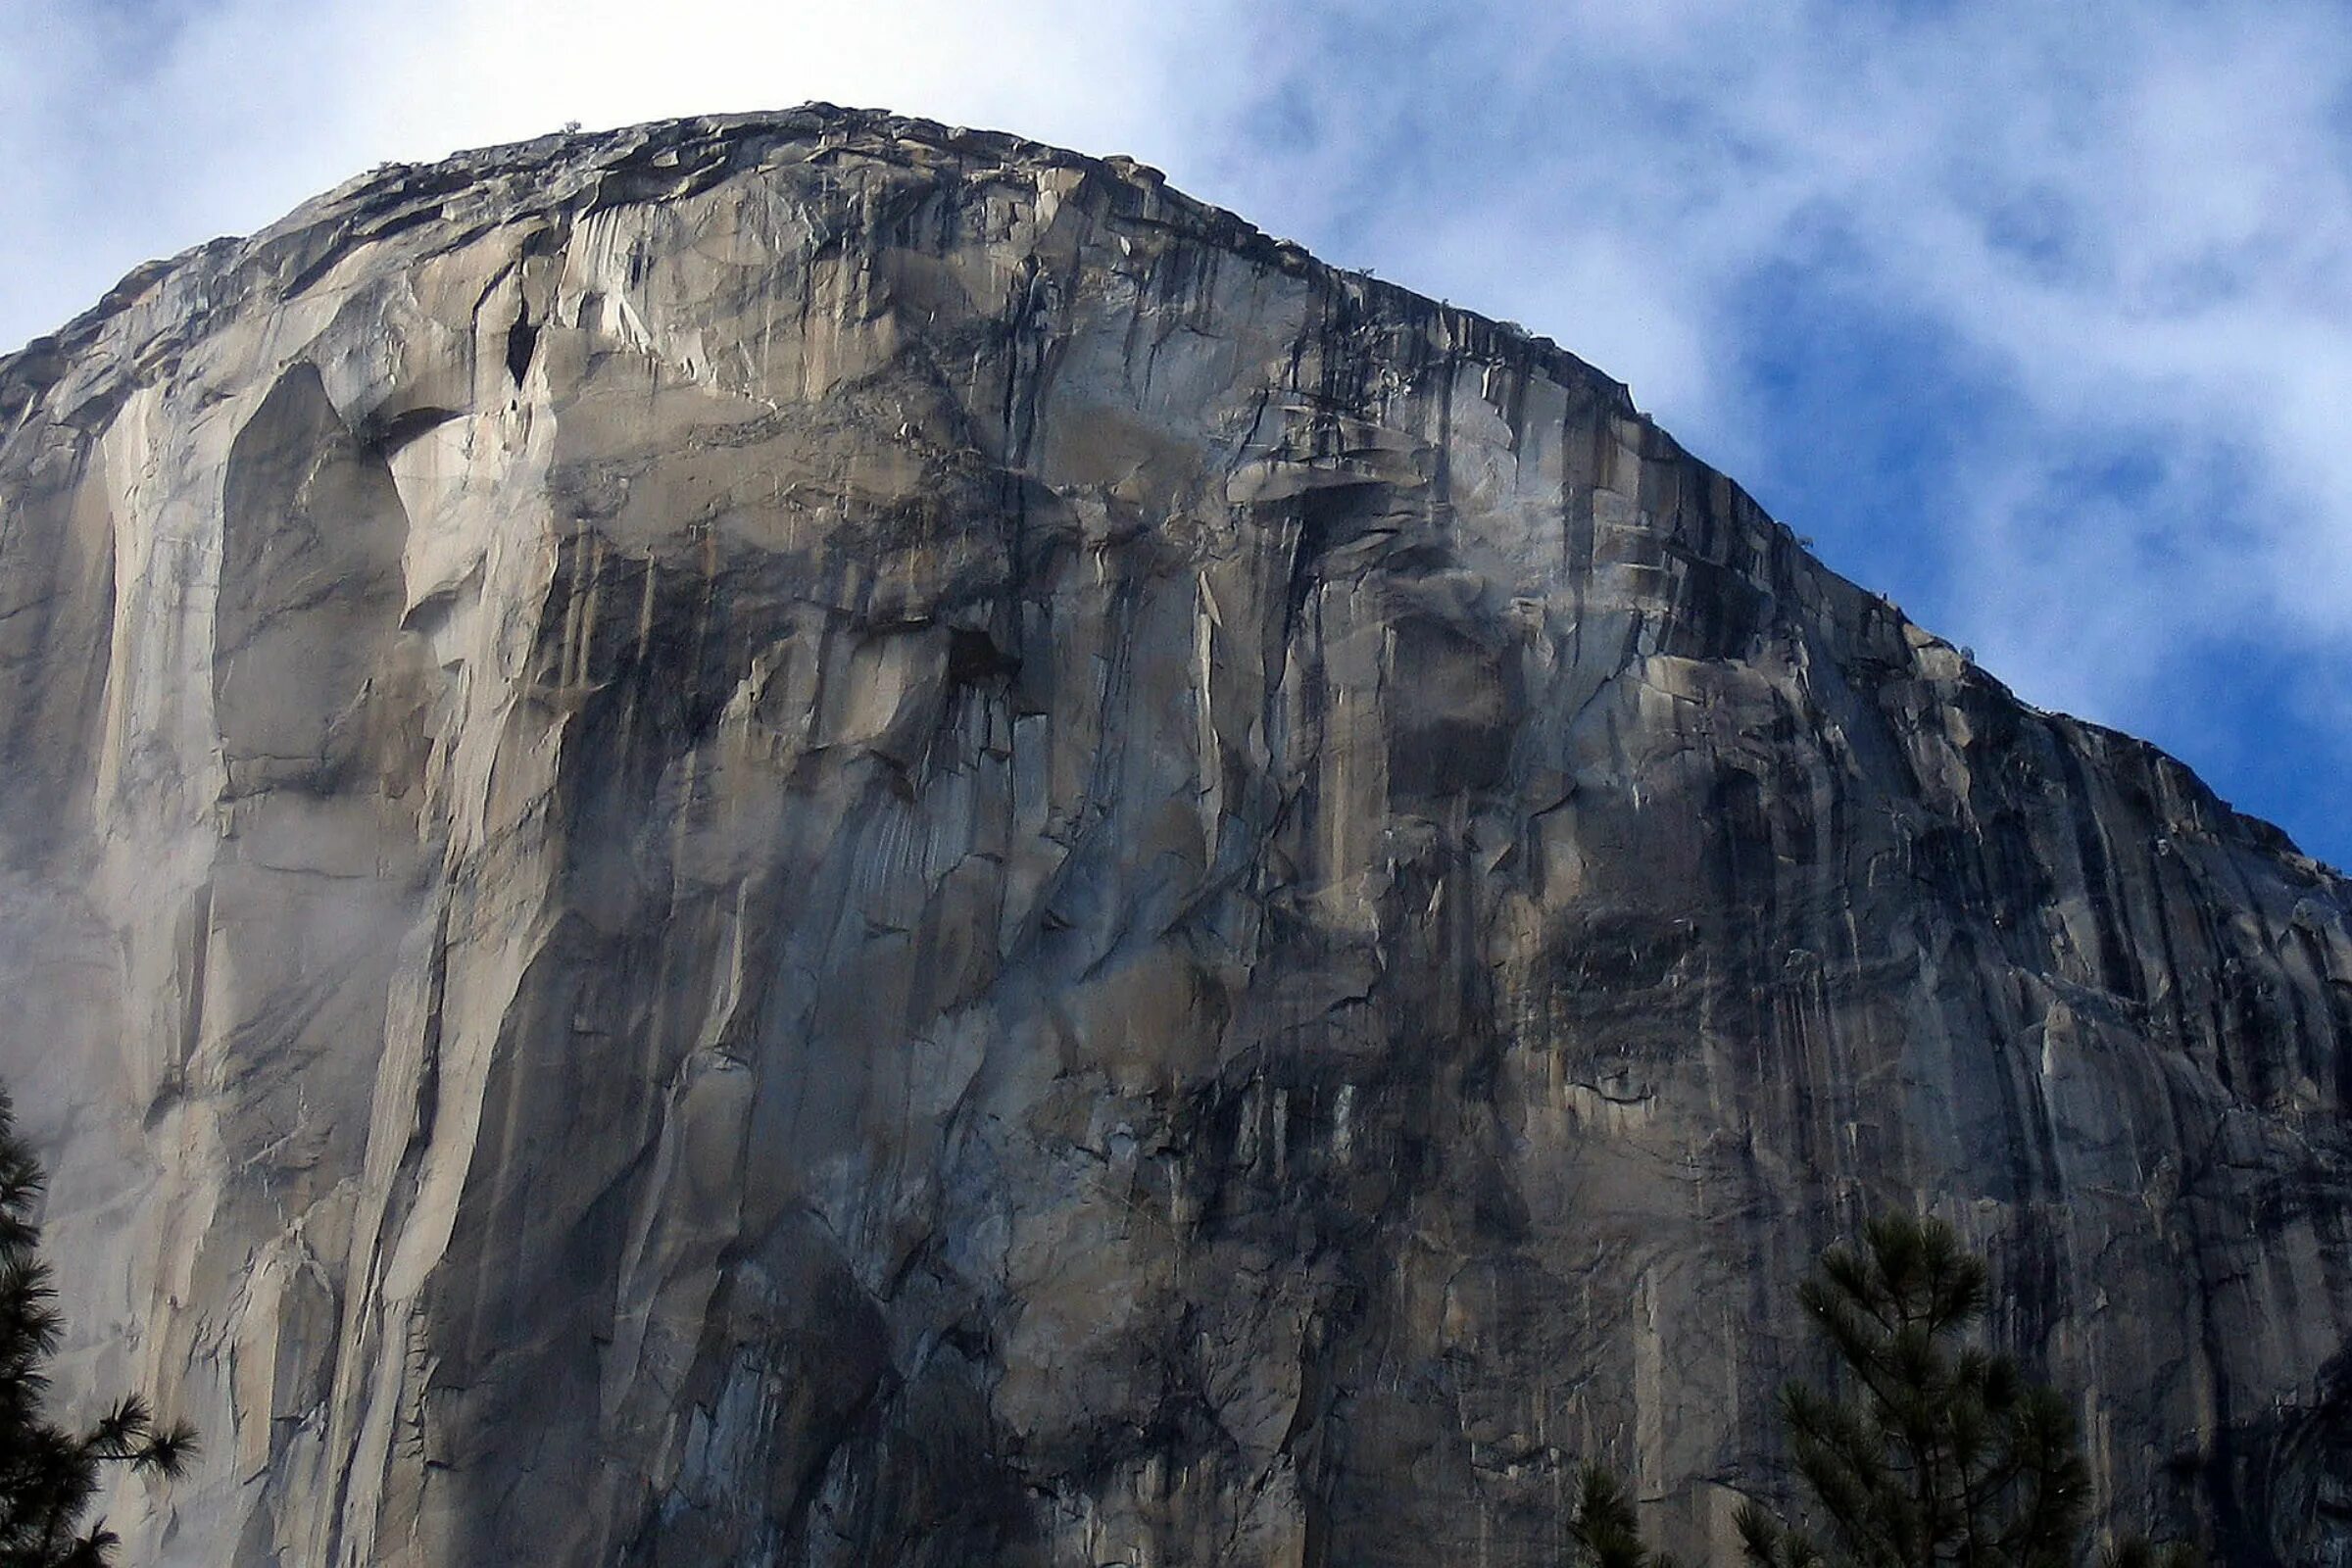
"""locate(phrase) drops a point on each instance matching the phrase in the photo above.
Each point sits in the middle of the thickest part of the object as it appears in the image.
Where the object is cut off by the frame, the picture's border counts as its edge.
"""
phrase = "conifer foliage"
(1935, 1453)
(1604, 1527)
(49, 1476)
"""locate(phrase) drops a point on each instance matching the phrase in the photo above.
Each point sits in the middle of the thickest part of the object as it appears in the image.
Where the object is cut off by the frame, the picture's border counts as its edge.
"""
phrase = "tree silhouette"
(49, 1476)
(1937, 1453)
(1605, 1528)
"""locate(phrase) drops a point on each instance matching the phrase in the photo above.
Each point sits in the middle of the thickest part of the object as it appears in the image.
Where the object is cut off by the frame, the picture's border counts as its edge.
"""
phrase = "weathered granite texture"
(813, 840)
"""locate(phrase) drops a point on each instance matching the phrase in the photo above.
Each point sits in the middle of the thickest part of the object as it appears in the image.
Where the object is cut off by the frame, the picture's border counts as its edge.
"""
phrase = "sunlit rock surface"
(818, 841)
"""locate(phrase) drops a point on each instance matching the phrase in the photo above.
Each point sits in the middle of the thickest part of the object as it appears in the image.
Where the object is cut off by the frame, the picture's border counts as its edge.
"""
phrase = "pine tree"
(1939, 1454)
(48, 1474)
(1604, 1527)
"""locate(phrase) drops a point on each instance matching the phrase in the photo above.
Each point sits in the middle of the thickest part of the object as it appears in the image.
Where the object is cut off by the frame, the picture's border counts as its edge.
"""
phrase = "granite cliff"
(813, 840)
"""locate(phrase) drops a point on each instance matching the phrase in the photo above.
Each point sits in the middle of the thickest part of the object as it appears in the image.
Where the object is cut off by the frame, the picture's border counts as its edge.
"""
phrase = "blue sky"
(2037, 318)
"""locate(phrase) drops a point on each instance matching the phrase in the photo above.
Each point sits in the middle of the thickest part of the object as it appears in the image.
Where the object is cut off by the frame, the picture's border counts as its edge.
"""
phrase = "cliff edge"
(812, 840)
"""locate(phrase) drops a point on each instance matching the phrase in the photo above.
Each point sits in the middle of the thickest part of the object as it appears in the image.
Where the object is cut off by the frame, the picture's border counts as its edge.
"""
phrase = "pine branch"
(49, 1477)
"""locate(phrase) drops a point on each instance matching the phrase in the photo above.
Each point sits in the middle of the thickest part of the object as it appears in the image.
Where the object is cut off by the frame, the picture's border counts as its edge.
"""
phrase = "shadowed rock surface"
(810, 840)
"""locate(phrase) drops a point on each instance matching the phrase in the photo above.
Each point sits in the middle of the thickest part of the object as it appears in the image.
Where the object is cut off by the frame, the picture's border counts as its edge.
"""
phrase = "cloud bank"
(2037, 318)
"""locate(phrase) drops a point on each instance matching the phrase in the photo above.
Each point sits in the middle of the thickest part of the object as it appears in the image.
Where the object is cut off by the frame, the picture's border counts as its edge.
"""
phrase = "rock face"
(815, 840)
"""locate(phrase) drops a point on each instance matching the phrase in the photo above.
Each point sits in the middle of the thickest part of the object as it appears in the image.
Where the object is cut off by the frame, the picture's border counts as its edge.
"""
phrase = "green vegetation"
(50, 1476)
(1603, 1527)
(1931, 1452)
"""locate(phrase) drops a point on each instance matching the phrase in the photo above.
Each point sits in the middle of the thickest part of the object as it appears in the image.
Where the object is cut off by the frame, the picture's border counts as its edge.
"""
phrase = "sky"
(2036, 318)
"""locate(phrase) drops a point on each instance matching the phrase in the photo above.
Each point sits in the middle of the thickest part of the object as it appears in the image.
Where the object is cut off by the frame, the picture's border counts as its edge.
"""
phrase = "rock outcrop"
(810, 840)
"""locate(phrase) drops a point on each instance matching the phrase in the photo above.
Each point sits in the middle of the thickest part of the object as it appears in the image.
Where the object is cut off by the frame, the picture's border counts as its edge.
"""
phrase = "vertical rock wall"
(814, 841)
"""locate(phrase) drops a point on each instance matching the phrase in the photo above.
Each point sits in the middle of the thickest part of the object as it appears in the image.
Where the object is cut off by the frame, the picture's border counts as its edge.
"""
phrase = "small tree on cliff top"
(49, 1476)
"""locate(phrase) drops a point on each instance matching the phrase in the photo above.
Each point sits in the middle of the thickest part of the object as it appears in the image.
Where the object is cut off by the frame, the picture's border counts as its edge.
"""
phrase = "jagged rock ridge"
(810, 840)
